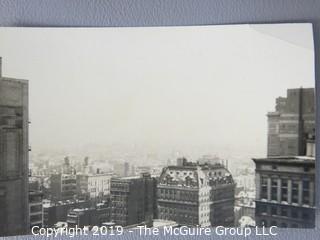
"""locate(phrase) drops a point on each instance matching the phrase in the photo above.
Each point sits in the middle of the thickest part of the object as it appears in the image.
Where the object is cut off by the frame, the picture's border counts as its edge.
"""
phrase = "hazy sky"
(161, 87)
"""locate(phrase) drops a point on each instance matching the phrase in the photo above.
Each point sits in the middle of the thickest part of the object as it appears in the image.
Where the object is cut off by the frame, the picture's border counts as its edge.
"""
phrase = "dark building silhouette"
(196, 194)
(291, 122)
(133, 200)
(14, 206)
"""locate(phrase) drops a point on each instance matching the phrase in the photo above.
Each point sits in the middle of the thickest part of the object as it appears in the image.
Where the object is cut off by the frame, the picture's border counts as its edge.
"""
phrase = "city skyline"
(103, 136)
(186, 89)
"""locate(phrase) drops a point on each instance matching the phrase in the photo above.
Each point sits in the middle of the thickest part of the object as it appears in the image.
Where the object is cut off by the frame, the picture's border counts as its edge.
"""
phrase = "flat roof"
(286, 159)
(14, 80)
(127, 178)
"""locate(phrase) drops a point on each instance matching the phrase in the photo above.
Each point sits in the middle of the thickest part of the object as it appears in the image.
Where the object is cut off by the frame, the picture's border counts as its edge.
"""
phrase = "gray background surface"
(99, 13)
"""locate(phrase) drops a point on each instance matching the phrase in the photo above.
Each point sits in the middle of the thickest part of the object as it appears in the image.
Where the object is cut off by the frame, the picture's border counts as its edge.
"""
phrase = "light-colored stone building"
(196, 194)
(94, 185)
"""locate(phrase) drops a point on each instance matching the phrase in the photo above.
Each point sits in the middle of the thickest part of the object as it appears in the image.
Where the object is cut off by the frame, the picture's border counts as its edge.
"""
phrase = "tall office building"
(285, 179)
(14, 206)
(63, 187)
(133, 200)
(291, 122)
(196, 194)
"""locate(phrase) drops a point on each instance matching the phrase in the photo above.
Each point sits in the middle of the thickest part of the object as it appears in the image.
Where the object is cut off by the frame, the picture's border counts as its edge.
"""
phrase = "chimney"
(311, 147)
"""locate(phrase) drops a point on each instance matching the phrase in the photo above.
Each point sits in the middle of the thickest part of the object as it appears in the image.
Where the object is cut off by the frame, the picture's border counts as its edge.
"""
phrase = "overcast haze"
(159, 88)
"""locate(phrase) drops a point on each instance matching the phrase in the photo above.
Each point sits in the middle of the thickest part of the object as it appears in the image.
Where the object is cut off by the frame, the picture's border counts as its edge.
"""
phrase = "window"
(284, 225)
(274, 189)
(274, 210)
(305, 215)
(295, 192)
(263, 209)
(37, 208)
(264, 188)
(274, 223)
(305, 192)
(274, 167)
(35, 218)
(284, 190)
(295, 213)
(284, 212)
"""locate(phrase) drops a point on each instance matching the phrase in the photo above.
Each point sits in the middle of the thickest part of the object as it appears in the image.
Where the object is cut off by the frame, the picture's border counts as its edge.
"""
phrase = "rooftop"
(158, 223)
(195, 175)
(286, 159)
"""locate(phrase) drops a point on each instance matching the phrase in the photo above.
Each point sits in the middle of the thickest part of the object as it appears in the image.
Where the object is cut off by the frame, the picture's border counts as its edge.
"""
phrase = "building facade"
(285, 179)
(81, 217)
(133, 200)
(291, 122)
(196, 194)
(14, 214)
(57, 212)
(35, 204)
(63, 187)
(93, 216)
(285, 192)
(97, 186)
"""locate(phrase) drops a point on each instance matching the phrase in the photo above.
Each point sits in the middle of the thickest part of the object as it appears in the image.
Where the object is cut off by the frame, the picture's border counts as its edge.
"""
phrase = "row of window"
(120, 211)
(69, 188)
(182, 196)
(37, 208)
(283, 211)
(281, 224)
(167, 210)
(284, 190)
(69, 181)
(182, 218)
(179, 206)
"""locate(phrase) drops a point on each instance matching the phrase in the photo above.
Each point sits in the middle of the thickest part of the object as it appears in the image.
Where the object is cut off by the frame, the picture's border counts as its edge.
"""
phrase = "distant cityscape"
(276, 190)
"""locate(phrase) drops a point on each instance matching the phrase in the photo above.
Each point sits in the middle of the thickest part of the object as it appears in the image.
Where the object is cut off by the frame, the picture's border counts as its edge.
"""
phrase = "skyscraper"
(133, 200)
(14, 206)
(285, 179)
(291, 122)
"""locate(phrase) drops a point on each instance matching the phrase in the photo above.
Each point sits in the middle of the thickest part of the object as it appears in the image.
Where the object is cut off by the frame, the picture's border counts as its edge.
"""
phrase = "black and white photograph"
(196, 126)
